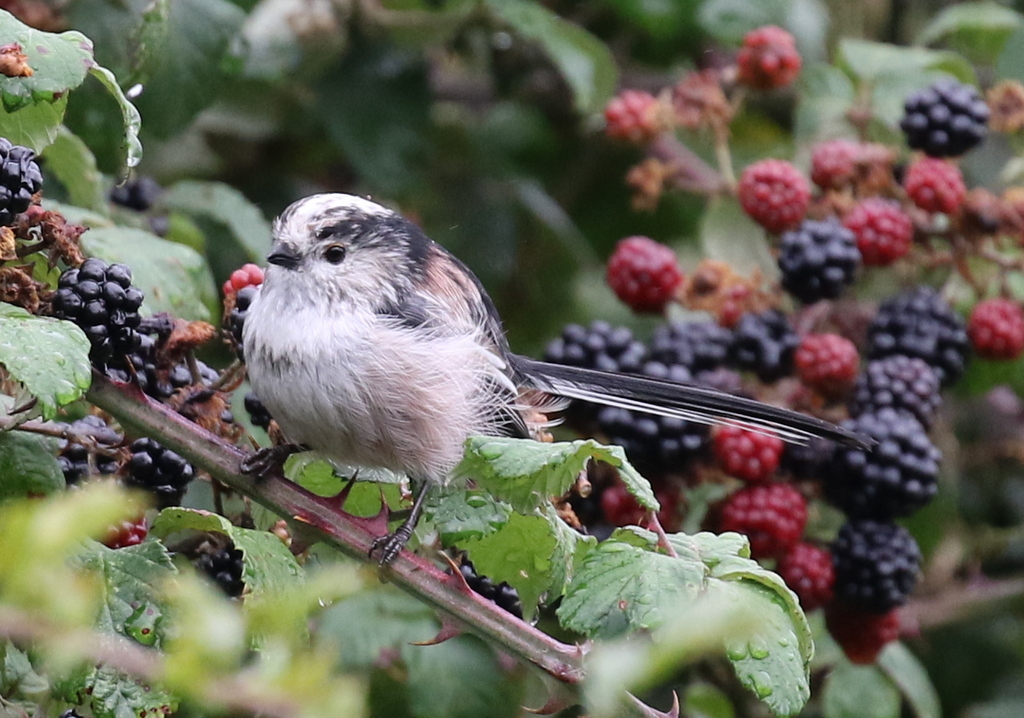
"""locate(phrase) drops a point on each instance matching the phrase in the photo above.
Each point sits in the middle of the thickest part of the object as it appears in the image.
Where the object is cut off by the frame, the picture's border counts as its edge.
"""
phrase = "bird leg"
(391, 545)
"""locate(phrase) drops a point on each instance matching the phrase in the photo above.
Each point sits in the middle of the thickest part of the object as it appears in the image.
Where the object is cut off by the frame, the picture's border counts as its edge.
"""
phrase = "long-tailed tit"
(373, 345)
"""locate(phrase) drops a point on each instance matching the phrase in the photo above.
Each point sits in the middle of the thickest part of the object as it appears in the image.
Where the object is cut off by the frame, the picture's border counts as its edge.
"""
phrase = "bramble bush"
(718, 192)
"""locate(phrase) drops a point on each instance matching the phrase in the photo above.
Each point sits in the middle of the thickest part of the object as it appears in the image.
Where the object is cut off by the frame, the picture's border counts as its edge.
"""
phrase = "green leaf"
(977, 29)
(313, 473)
(71, 162)
(47, 356)
(859, 692)
(59, 63)
(1010, 65)
(34, 126)
(17, 675)
(227, 206)
(867, 61)
(28, 465)
(527, 473)
(187, 70)
(905, 670)
(459, 515)
(131, 146)
(729, 20)
(268, 565)
(116, 29)
(108, 694)
(584, 61)
(824, 96)
(729, 235)
(173, 277)
(663, 19)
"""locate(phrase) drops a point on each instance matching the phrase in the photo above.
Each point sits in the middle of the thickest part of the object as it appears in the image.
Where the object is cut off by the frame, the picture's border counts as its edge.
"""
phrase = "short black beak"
(284, 255)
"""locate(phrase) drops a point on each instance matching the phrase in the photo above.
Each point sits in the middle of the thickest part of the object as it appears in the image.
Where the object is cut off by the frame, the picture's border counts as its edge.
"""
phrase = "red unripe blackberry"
(248, 275)
(634, 116)
(827, 363)
(772, 517)
(620, 508)
(768, 58)
(935, 185)
(128, 533)
(882, 229)
(747, 455)
(861, 634)
(643, 274)
(834, 163)
(996, 329)
(807, 570)
(774, 194)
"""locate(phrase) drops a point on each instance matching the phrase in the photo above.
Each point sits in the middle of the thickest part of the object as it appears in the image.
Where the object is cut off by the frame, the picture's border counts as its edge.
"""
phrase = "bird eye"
(334, 254)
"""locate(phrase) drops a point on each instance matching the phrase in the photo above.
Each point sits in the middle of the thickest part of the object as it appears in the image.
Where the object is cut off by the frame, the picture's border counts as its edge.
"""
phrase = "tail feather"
(683, 401)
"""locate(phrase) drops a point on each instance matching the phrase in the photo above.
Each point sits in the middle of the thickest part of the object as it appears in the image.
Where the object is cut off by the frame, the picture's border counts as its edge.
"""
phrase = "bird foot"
(388, 547)
(267, 460)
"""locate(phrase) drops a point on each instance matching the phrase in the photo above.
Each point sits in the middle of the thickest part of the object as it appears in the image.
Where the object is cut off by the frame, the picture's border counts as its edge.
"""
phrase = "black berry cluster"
(946, 119)
(258, 413)
(74, 458)
(101, 300)
(765, 344)
(876, 564)
(225, 567)
(895, 478)
(501, 594)
(138, 193)
(655, 444)
(919, 323)
(818, 260)
(600, 346)
(699, 346)
(160, 471)
(20, 178)
(236, 319)
(899, 382)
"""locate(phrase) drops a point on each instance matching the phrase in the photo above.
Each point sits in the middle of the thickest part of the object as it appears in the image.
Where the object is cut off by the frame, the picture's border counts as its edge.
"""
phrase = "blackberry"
(655, 444)
(506, 597)
(699, 346)
(20, 178)
(919, 323)
(601, 346)
(101, 300)
(899, 382)
(160, 471)
(945, 119)
(155, 382)
(876, 564)
(764, 344)
(818, 260)
(236, 319)
(895, 478)
(258, 413)
(225, 567)
(74, 458)
(138, 193)
(806, 461)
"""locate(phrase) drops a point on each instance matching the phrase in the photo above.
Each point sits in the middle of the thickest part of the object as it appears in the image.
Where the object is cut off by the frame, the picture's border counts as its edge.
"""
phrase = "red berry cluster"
(768, 59)
(248, 275)
(644, 274)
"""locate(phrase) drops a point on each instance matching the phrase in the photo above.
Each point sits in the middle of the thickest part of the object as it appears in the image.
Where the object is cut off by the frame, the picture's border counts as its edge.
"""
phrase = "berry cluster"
(258, 413)
(945, 119)
(78, 461)
(225, 567)
(643, 274)
(818, 260)
(235, 320)
(159, 471)
(139, 193)
(20, 178)
(501, 594)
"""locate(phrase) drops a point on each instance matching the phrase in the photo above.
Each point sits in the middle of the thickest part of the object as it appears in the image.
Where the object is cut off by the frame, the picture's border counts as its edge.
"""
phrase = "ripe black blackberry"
(895, 478)
(20, 178)
(226, 567)
(258, 413)
(654, 444)
(900, 382)
(506, 597)
(160, 471)
(919, 323)
(818, 260)
(876, 564)
(765, 344)
(699, 346)
(157, 383)
(806, 461)
(138, 193)
(236, 319)
(101, 300)
(74, 458)
(600, 346)
(945, 119)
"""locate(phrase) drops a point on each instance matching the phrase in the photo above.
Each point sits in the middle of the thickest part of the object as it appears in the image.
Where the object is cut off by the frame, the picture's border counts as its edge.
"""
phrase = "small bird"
(373, 345)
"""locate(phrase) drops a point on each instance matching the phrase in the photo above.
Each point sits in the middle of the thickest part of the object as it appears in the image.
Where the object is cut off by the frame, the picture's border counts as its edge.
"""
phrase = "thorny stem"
(352, 536)
(85, 436)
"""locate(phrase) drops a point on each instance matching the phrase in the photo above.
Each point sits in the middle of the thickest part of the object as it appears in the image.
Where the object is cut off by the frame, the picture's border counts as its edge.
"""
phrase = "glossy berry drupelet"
(768, 59)
(898, 382)
(599, 346)
(225, 567)
(834, 163)
(807, 569)
(996, 329)
(102, 301)
(771, 516)
(774, 194)
(935, 185)
(159, 471)
(945, 119)
(747, 455)
(882, 229)
(644, 274)
(920, 323)
(139, 193)
(827, 363)
(861, 634)
(74, 457)
(20, 178)
(236, 318)
(765, 344)
(502, 594)
(699, 346)
(876, 565)
(818, 260)
(634, 116)
(895, 478)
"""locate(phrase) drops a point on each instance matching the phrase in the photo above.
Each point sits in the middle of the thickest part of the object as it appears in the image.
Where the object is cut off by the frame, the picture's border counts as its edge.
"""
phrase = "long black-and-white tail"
(683, 401)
